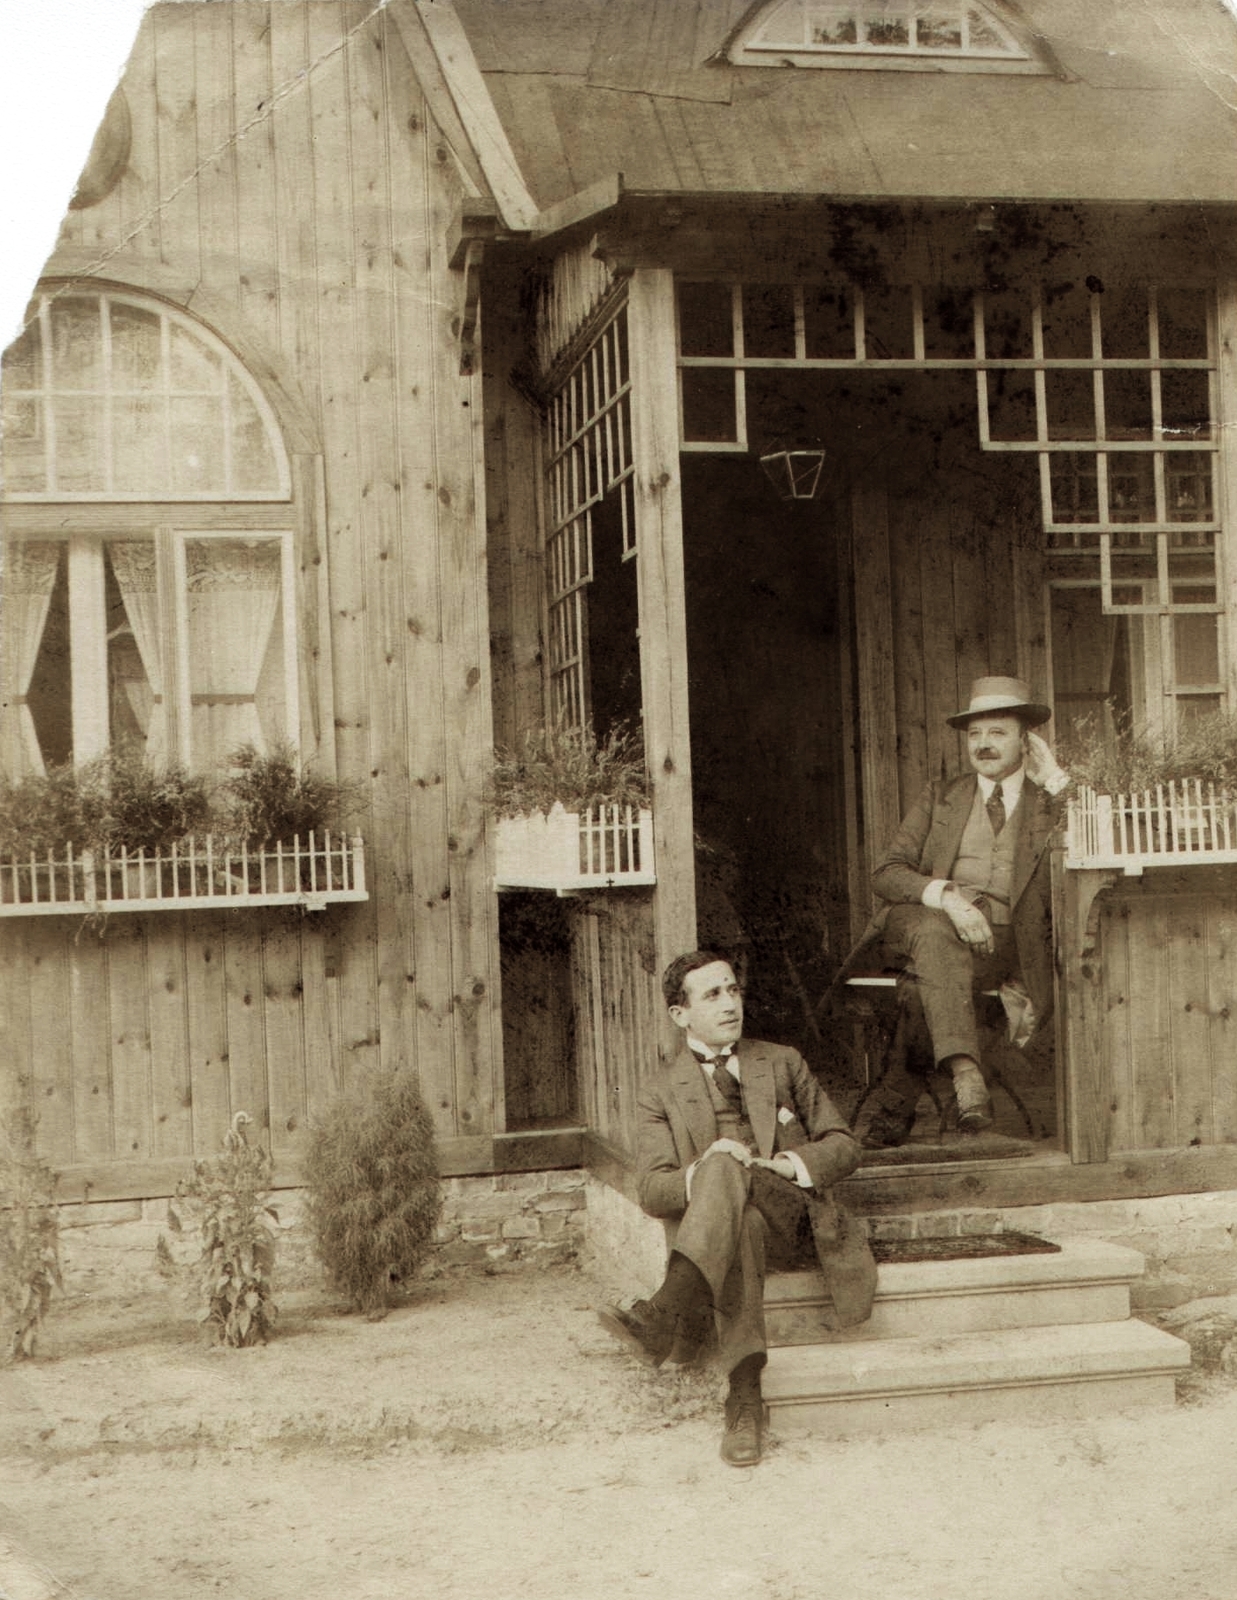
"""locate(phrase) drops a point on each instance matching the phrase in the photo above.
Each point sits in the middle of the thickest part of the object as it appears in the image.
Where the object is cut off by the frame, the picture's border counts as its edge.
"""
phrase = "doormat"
(962, 1147)
(962, 1247)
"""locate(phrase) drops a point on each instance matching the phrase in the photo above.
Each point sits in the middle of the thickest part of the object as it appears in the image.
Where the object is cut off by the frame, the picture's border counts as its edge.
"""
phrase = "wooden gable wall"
(288, 185)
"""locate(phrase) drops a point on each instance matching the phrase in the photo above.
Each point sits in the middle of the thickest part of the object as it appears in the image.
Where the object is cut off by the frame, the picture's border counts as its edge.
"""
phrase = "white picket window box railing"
(607, 847)
(1187, 822)
(193, 874)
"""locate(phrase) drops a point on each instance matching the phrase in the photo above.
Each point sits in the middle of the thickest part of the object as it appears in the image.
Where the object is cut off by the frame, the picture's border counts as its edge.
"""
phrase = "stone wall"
(520, 1221)
(514, 1220)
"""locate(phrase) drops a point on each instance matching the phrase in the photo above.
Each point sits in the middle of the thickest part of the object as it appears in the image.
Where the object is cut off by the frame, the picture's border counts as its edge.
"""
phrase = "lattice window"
(589, 469)
(883, 33)
(107, 397)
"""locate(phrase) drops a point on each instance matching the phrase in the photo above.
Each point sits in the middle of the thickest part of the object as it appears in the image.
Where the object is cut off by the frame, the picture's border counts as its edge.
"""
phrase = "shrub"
(371, 1170)
(568, 765)
(227, 1199)
(41, 814)
(1130, 760)
(270, 797)
(29, 1233)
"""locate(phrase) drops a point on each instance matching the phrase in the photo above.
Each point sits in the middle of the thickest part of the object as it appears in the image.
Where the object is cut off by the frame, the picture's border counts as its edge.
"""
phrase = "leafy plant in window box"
(572, 811)
(269, 800)
(228, 1201)
(1139, 796)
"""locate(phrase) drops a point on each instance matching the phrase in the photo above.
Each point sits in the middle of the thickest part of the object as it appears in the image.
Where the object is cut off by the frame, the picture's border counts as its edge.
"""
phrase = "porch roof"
(1141, 107)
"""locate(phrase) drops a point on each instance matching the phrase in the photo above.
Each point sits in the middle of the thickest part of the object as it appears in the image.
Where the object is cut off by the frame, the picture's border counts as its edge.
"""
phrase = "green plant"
(117, 800)
(269, 796)
(228, 1200)
(29, 1233)
(371, 1170)
(1129, 760)
(569, 765)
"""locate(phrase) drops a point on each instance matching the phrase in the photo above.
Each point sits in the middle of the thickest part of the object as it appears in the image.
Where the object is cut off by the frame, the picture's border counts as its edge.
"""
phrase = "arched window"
(148, 580)
(925, 34)
(110, 398)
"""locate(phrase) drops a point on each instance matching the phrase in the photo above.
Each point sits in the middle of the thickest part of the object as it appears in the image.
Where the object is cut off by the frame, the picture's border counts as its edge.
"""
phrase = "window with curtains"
(148, 571)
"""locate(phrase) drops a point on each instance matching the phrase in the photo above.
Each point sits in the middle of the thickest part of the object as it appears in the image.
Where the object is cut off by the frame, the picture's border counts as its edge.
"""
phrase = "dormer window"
(923, 35)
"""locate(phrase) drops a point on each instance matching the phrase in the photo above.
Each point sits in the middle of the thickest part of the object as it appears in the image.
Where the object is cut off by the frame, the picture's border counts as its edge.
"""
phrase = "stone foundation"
(520, 1221)
(506, 1221)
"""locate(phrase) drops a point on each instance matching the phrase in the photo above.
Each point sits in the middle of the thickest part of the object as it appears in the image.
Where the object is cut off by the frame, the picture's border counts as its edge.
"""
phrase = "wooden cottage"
(408, 376)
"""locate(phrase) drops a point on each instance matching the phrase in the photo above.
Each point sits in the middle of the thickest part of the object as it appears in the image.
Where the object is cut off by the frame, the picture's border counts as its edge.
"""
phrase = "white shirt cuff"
(687, 1177)
(931, 896)
(802, 1176)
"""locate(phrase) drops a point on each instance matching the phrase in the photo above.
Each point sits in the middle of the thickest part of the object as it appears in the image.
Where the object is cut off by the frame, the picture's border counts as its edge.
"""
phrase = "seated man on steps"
(966, 881)
(737, 1143)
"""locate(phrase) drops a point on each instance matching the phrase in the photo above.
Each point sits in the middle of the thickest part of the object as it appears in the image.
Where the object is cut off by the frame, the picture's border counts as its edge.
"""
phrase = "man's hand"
(730, 1147)
(1041, 765)
(782, 1165)
(970, 924)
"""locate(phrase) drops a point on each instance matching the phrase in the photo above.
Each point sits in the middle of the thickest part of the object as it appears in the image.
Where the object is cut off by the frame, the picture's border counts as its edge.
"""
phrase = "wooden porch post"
(1084, 1065)
(1224, 407)
(662, 602)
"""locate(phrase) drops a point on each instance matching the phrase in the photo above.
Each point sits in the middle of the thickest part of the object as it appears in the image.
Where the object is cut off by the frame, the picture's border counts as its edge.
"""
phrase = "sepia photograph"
(618, 800)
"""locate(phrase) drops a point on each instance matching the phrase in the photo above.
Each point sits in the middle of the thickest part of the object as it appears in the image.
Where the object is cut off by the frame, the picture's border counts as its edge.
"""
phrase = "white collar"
(704, 1055)
(1011, 788)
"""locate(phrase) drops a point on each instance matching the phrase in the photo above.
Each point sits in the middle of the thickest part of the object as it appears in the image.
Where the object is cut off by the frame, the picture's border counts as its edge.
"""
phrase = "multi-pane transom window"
(110, 398)
(882, 33)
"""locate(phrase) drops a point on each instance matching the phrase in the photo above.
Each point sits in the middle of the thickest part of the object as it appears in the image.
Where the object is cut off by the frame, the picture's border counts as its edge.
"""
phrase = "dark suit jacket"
(926, 846)
(678, 1124)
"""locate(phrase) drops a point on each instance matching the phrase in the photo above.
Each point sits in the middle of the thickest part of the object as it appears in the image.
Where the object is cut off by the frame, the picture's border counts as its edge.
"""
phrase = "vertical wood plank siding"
(284, 165)
(1168, 1038)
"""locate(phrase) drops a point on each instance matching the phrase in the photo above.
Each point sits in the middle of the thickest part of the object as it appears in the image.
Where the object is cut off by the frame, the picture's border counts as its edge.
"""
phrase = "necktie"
(726, 1082)
(996, 809)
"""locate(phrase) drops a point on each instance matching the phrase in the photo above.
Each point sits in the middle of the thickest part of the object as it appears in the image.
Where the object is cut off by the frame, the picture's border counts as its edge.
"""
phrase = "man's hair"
(674, 979)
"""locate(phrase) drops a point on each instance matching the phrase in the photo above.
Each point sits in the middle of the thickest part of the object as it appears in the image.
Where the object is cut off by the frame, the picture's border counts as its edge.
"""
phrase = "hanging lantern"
(795, 474)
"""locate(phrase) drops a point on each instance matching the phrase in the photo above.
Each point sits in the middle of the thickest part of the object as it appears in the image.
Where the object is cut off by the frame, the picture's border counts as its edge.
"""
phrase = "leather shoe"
(974, 1101)
(888, 1129)
(743, 1440)
(647, 1332)
(694, 1337)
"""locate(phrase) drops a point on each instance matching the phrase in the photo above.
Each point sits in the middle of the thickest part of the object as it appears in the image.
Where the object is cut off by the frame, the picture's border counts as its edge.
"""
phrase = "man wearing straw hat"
(966, 885)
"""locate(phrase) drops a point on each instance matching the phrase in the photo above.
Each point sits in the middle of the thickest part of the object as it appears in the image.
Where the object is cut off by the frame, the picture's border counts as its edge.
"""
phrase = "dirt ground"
(487, 1441)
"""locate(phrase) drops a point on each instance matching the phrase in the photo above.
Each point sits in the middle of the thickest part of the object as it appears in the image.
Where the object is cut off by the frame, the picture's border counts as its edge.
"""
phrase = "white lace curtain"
(134, 564)
(233, 598)
(26, 584)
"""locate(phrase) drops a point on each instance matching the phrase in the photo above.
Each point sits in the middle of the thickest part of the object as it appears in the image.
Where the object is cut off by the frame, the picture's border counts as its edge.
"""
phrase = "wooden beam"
(1224, 411)
(584, 206)
(1084, 1071)
(878, 719)
(663, 609)
(886, 1191)
(476, 112)
(553, 1150)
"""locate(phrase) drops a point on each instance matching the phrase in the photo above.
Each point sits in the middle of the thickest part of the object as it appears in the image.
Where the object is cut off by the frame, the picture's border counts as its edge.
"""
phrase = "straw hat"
(1000, 697)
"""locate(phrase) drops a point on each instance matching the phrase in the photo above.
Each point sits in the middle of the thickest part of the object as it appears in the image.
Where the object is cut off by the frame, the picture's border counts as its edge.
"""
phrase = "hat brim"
(1035, 716)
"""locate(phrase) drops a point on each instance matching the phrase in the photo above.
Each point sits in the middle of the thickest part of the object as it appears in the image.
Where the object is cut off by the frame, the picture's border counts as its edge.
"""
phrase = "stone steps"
(959, 1342)
(1087, 1281)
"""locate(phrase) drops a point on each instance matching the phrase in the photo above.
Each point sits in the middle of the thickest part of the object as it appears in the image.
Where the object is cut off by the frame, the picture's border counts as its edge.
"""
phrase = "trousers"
(947, 973)
(738, 1220)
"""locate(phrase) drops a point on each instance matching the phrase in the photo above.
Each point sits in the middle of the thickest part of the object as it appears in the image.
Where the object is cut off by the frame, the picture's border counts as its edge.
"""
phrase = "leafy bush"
(1131, 760)
(227, 1199)
(568, 765)
(371, 1170)
(29, 1233)
(269, 796)
(115, 800)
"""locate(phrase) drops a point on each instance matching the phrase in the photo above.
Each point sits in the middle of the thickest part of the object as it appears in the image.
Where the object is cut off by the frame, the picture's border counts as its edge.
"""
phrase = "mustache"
(987, 754)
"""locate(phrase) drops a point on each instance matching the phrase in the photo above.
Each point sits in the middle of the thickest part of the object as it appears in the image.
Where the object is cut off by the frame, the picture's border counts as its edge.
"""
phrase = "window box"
(606, 847)
(196, 874)
(1175, 824)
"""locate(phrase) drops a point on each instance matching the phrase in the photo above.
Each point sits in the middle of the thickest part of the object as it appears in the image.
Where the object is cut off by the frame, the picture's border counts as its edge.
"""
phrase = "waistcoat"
(730, 1124)
(985, 864)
